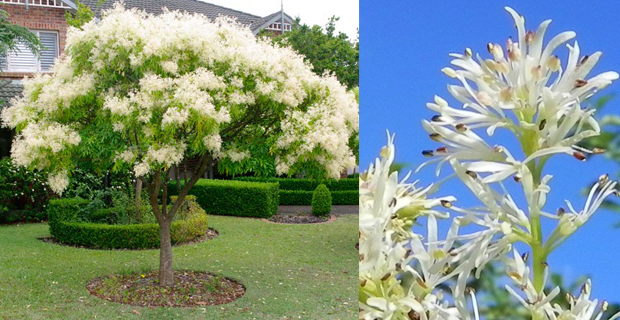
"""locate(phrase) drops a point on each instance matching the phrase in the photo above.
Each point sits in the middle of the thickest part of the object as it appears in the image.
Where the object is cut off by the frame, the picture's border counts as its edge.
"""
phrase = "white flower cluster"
(58, 181)
(38, 142)
(525, 91)
(398, 274)
(158, 78)
(326, 126)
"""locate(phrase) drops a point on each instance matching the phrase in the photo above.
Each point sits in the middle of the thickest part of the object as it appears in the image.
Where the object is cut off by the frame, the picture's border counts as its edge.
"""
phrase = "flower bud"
(529, 36)
(553, 63)
(471, 174)
(502, 67)
(498, 52)
(586, 288)
(440, 101)
(442, 150)
(580, 83)
(525, 256)
(484, 98)
(385, 152)
(490, 47)
(468, 52)
(461, 127)
(427, 153)
(446, 204)
(507, 94)
(579, 156)
(542, 124)
(449, 72)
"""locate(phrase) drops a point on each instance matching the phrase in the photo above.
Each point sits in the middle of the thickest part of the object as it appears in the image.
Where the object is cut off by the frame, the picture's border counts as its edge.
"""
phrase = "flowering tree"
(175, 86)
(526, 91)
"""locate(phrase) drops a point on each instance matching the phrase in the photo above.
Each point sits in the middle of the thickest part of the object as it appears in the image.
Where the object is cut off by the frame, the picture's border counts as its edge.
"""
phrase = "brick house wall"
(37, 18)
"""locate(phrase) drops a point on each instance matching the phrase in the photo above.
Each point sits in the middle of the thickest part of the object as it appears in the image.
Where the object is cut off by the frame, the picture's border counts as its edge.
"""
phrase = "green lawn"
(290, 272)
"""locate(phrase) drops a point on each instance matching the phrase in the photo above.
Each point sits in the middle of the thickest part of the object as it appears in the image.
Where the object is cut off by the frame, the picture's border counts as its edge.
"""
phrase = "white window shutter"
(22, 59)
(4, 65)
(50, 52)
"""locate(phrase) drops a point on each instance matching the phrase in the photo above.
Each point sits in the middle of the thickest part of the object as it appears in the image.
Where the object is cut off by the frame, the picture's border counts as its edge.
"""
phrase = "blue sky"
(404, 45)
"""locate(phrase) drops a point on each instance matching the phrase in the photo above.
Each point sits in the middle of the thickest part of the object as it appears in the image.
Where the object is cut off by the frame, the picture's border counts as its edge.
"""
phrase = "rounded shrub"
(321, 201)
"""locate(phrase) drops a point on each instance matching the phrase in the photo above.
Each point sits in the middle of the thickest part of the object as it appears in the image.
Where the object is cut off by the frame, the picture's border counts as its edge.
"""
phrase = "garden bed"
(304, 218)
(191, 289)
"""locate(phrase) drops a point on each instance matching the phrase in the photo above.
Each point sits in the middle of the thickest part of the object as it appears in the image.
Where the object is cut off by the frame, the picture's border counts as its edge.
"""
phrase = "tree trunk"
(165, 216)
(138, 198)
(166, 277)
(177, 173)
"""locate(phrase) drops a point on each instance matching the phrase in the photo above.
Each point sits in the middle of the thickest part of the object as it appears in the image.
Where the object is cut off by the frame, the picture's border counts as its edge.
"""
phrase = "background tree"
(326, 50)
(175, 86)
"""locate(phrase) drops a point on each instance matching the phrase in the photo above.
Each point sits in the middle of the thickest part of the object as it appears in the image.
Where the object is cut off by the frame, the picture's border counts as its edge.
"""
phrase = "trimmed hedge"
(299, 191)
(302, 198)
(234, 198)
(61, 212)
(321, 201)
(308, 184)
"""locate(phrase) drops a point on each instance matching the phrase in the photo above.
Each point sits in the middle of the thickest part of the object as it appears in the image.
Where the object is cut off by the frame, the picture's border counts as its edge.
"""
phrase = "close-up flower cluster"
(523, 89)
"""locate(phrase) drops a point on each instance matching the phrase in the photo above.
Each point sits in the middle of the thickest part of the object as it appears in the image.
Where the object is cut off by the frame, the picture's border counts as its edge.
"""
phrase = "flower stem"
(539, 253)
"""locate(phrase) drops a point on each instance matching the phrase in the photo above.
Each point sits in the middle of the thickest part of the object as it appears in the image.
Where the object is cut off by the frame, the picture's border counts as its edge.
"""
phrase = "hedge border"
(106, 236)
(303, 198)
(308, 184)
(234, 198)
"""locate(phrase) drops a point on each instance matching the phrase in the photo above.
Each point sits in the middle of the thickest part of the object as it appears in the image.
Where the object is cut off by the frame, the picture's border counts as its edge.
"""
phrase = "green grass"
(290, 272)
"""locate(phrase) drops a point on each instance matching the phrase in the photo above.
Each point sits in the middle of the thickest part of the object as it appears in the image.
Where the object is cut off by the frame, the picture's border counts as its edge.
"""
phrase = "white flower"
(58, 181)
(213, 143)
(141, 169)
(174, 116)
(523, 90)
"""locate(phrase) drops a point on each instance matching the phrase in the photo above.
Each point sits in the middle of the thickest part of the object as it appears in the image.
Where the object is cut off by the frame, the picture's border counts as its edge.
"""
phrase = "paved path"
(337, 210)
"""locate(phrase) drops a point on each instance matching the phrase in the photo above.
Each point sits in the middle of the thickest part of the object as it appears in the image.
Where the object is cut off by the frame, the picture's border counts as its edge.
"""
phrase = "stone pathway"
(337, 210)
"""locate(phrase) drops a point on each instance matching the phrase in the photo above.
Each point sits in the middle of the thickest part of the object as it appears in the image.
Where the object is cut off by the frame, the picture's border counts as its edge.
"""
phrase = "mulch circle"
(211, 233)
(304, 218)
(191, 289)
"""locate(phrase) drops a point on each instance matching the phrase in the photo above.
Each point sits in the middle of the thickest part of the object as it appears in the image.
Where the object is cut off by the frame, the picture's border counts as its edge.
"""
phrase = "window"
(23, 60)
(278, 26)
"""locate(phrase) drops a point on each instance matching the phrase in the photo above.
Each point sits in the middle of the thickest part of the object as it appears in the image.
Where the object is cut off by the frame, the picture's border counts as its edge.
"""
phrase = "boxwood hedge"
(299, 191)
(62, 214)
(308, 184)
(234, 198)
(321, 201)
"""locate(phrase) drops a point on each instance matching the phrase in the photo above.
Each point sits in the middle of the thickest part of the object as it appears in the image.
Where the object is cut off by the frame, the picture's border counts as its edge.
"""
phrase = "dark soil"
(191, 289)
(297, 218)
(211, 233)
